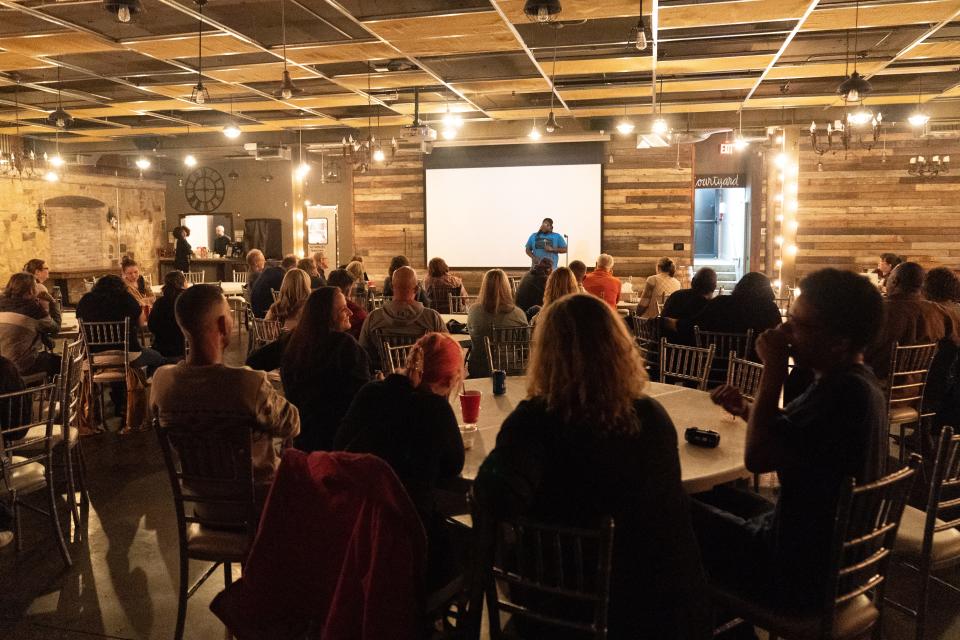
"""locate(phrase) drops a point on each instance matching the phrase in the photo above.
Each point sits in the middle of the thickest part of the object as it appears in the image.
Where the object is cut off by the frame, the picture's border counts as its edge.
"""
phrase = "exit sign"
(726, 148)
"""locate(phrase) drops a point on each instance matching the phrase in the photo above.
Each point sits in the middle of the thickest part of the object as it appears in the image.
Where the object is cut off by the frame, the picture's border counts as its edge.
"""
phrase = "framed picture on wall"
(317, 231)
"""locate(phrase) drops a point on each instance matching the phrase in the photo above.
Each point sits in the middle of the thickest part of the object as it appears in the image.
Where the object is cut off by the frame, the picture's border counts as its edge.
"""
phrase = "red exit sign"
(726, 148)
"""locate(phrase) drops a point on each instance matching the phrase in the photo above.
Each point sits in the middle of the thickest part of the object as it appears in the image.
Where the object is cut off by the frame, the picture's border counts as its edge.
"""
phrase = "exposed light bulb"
(641, 40)
(232, 131)
(625, 127)
(860, 117)
(143, 163)
(201, 94)
(791, 250)
(778, 264)
(380, 156)
(190, 160)
(778, 241)
(452, 120)
(776, 284)
(739, 143)
(793, 225)
(534, 133)
(123, 13)
(853, 96)
(781, 160)
(449, 133)
(796, 292)
(660, 126)
(61, 122)
(51, 176)
(56, 161)
(302, 170)
(543, 14)
(286, 93)
(918, 119)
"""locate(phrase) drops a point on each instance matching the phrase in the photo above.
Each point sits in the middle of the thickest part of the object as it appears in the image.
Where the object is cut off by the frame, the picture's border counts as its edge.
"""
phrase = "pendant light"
(542, 11)
(551, 125)
(855, 87)
(124, 10)
(534, 132)
(659, 126)
(200, 95)
(287, 89)
(60, 118)
(739, 143)
(638, 36)
(231, 130)
(918, 118)
(625, 126)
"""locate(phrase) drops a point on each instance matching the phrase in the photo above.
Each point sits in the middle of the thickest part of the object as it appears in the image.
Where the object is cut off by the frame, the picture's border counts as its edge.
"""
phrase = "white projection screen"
(482, 217)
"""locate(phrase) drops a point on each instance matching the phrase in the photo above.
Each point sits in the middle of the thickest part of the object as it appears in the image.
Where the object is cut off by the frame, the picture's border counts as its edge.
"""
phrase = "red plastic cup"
(470, 406)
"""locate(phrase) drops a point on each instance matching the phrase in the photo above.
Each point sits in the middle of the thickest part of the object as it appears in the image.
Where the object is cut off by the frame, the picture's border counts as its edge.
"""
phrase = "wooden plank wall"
(647, 207)
(861, 206)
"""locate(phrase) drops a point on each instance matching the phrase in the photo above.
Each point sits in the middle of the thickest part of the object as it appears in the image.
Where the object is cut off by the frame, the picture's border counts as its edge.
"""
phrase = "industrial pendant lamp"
(855, 87)
(287, 89)
(200, 95)
(638, 36)
(659, 126)
(542, 11)
(124, 10)
(59, 117)
(918, 118)
(231, 130)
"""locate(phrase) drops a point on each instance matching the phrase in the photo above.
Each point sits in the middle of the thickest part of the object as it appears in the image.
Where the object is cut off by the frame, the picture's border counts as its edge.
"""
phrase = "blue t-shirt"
(538, 240)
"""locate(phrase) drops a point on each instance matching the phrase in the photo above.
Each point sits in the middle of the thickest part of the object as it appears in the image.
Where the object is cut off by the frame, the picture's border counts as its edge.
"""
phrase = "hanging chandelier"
(861, 128)
(923, 167)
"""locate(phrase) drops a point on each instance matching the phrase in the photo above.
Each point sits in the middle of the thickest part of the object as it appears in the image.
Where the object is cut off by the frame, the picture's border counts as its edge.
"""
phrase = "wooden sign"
(721, 181)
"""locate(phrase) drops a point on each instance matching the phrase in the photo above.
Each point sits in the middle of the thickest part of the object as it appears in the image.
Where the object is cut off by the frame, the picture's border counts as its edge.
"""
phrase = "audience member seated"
(110, 301)
(395, 263)
(322, 369)
(417, 436)
(560, 283)
(532, 285)
(942, 393)
(750, 306)
(908, 318)
(579, 271)
(342, 279)
(439, 282)
(355, 269)
(202, 388)
(261, 293)
(137, 286)
(293, 293)
(837, 429)
(309, 266)
(888, 262)
(167, 336)
(690, 303)
(602, 283)
(24, 320)
(494, 308)
(363, 274)
(402, 315)
(658, 286)
(41, 272)
(255, 266)
(289, 262)
(320, 260)
(589, 443)
(10, 381)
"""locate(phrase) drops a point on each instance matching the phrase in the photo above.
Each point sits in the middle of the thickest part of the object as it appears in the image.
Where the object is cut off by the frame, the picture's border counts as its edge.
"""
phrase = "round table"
(701, 469)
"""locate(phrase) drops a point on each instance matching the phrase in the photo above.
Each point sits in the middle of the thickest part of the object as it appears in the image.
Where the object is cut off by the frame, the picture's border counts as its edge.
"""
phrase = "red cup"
(470, 406)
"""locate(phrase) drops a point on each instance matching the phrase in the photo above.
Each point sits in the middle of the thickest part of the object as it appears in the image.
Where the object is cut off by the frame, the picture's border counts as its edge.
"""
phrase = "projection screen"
(482, 217)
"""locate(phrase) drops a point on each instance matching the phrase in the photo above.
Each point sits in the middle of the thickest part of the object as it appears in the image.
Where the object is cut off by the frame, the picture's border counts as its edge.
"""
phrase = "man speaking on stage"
(546, 244)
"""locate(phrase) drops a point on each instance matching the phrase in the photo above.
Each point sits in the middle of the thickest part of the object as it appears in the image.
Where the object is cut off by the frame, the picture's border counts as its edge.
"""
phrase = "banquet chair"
(26, 456)
(744, 375)
(210, 467)
(865, 528)
(195, 277)
(395, 357)
(240, 276)
(647, 332)
(275, 294)
(438, 298)
(680, 364)
(555, 576)
(508, 349)
(361, 299)
(376, 302)
(239, 305)
(906, 382)
(264, 332)
(928, 541)
(742, 343)
(107, 345)
(460, 304)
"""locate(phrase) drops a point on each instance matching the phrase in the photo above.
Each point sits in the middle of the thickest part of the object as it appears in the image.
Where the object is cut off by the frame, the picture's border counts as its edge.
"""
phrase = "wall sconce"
(41, 219)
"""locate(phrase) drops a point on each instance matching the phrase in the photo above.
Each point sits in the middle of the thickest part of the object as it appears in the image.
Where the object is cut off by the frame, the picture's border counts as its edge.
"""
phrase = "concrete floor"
(124, 580)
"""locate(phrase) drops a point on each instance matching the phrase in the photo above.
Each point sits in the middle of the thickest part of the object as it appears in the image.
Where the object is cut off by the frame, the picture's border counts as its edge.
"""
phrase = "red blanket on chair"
(340, 552)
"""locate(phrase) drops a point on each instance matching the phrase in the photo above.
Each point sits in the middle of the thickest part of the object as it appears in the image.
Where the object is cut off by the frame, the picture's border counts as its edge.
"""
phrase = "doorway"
(721, 233)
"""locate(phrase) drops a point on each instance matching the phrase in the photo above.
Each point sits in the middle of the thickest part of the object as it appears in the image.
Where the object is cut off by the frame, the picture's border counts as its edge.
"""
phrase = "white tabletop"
(459, 317)
(701, 469)
(68, 324)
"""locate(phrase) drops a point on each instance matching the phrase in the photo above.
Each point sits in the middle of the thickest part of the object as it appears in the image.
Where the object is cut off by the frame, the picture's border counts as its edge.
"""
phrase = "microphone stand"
(566, 256)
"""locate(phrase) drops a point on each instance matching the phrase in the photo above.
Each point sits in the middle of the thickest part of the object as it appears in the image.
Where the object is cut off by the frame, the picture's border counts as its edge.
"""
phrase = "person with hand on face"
(546, 244)
(137, 287)
(41, 272)
(835, 430)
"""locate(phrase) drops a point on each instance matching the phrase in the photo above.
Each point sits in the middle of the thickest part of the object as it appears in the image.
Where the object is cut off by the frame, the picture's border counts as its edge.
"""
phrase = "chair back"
(514, 285)
(783, 304)
(943, 506)
(361, 299)
(744, 375)
(275, 294)
(438, 297)
(460, 304)
(21, 411)
(71, 381)
(647, 332)
(742, 343)
(508, 348)
(195, 277)
(88, 284)
(555, 576)
(105, 343)
(376, 302)
(240, 276)
(907, 380)
(681, 364)
(394, 348)
(264, 331)
(866, 527)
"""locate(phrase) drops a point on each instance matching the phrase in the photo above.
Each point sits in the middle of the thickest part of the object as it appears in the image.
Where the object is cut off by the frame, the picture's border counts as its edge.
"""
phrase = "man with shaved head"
(401, 316)
(202, 390)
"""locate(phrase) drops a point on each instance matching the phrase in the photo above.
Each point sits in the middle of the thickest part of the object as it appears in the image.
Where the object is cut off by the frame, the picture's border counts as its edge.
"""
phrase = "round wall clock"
(204, 189)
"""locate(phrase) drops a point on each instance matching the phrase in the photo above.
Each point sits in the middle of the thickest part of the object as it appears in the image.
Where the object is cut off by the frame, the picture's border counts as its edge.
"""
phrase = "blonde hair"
(561, 282)
(495, 294)
(294, 291)
(585, 365)
(355, 269)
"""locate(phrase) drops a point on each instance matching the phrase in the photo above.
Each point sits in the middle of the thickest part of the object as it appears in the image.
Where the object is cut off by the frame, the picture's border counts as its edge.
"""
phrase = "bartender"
(221, 242)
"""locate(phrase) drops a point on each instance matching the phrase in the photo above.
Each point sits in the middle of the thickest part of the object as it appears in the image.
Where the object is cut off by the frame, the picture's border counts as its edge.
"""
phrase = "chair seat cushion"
(852, 620)
(26, 477)
(110, 376)
(946, 544)
(204, 543)
(39, 431)
(903, 415)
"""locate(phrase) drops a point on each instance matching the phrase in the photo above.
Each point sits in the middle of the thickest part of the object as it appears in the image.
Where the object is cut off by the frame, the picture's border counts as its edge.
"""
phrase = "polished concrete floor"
(124, 580)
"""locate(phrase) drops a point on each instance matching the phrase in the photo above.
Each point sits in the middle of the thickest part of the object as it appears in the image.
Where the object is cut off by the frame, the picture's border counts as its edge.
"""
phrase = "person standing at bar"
(182, 251)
